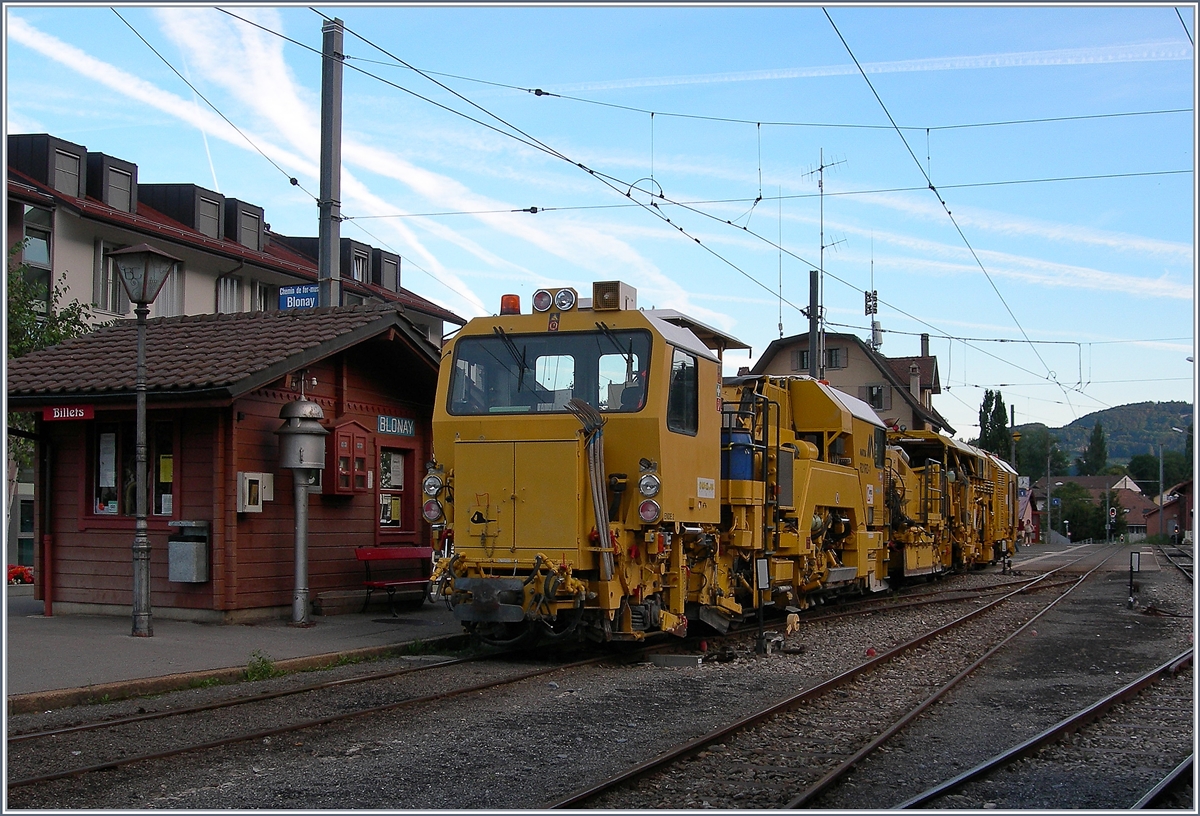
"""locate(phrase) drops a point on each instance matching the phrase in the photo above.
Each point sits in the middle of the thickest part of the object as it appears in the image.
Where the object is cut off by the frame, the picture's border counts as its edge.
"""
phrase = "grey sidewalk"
(83, 651)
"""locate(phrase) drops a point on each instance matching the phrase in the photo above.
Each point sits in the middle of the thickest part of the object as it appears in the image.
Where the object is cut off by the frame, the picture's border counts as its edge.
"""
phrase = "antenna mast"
(816, 299)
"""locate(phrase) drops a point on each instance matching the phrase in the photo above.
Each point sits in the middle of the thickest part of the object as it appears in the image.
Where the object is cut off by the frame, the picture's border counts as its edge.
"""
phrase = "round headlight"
(542, 300)
(648, 485)
(432, 484)
(431, 510)
(649, 511)
(564, 299)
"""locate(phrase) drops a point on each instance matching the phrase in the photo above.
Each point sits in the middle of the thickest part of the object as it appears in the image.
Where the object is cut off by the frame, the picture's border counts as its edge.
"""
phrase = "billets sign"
(59, 413)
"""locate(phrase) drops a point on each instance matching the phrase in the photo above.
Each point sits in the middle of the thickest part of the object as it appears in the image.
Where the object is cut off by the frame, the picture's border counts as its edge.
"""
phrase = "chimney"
(924, 345)
(914, 380)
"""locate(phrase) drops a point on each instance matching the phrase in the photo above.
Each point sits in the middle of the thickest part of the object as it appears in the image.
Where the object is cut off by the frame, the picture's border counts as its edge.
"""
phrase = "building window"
(878, 397)
(358, 268)
(25, 534)
(391, 274)
(120, 189)
(66, 173)
(208, 218)
(229, 295)
(107, 292)
(36, 255)
(835, 358)
(114, 469)
(263, 297)
(352, 300)
(683, 398)
(248, 230)
(391, 489)
(799, 359)
(169, 302)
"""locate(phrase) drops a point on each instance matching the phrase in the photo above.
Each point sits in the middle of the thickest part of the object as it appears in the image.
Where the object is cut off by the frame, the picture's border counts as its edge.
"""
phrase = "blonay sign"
(299, 297)
(63, 412)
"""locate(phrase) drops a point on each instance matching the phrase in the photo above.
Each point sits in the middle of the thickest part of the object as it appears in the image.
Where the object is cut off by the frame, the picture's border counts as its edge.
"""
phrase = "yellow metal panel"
(549, 489)
(484, 484)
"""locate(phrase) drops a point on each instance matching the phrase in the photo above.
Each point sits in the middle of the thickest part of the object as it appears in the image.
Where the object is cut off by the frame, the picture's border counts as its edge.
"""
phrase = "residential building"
(1174, 518)
(72, 206)
(900, 389)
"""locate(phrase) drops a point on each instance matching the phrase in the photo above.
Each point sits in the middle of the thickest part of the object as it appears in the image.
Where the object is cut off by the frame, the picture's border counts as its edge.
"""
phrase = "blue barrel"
(737, 454)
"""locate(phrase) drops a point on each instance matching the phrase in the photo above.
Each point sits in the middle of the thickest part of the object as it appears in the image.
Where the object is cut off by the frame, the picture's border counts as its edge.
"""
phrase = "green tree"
(993, 425)
(1095, 458)
(32, 326)
(1143, 468)
(1031, 454)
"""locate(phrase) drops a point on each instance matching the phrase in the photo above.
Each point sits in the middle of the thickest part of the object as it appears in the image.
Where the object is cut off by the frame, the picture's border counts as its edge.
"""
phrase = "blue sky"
(712, 107)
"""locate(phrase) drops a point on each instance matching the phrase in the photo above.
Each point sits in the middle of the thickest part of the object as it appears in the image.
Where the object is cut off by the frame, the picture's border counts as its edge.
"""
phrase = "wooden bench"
(405, 555)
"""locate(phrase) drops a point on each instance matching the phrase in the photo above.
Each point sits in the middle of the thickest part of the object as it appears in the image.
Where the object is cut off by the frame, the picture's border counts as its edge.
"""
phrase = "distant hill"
(1128, 429)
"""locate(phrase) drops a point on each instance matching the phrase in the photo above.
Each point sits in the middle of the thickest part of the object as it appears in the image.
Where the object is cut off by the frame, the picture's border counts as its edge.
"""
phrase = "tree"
(33, 324)
(1095, 458)
(1031, 454)
(1143, 468)
(994, 435)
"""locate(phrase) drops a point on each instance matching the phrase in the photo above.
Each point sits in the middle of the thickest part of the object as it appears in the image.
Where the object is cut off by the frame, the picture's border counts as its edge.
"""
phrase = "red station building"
(216, 384)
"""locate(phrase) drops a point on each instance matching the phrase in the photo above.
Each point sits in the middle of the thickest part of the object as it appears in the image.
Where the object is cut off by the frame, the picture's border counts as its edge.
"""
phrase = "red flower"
(18, 574)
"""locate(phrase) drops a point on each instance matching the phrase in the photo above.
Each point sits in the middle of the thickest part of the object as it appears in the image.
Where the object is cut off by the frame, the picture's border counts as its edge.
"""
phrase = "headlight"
(542, 300)
(649, 511)
(564, 299)
(432, 510)
(648, 485)
(432, 484)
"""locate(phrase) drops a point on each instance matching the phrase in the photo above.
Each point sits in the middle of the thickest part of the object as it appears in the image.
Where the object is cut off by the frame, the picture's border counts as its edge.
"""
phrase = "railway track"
(1181, 557)
(1115, 727)
(84, 748)
(774, 772)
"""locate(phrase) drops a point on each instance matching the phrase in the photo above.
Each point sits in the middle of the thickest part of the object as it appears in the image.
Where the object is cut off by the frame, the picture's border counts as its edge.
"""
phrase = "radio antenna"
(818, 365)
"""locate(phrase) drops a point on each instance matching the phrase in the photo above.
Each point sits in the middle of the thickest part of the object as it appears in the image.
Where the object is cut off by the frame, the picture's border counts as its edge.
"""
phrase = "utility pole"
(329, 240)
(816, 284)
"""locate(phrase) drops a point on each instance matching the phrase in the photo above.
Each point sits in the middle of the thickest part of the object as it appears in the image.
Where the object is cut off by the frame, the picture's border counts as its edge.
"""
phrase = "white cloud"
(1147, 52)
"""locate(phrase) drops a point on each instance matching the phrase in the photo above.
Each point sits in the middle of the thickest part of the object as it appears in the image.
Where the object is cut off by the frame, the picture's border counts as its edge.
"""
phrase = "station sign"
(397, 426)
(59, 413)
(299, 297)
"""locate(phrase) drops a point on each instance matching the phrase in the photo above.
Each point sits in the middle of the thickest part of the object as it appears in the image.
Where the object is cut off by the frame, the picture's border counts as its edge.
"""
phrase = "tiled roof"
(274, 255)
(229, 353)
(926, 365)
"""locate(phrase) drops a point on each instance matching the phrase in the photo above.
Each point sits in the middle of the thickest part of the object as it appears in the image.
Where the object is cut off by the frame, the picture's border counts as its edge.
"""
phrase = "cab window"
(683, 399)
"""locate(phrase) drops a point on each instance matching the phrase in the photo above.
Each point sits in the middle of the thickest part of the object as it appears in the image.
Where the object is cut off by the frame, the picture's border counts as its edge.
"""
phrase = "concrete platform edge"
(125, 689)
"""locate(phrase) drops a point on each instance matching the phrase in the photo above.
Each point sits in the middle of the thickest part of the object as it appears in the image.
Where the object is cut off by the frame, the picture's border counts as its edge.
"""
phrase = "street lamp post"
(144, 270)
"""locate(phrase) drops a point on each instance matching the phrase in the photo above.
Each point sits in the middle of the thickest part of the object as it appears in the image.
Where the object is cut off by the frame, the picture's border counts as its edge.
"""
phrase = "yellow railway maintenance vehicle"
(593, 475)
(953, 506)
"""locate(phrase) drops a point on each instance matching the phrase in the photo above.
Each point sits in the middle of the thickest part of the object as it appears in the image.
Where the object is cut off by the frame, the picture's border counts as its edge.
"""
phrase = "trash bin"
(187, 552)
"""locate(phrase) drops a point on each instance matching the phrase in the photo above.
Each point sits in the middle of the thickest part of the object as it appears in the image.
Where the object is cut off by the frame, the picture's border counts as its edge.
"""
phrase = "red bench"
(403, 555)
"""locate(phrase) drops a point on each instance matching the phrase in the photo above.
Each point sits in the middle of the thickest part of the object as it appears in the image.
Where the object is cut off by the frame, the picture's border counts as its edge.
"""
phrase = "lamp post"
(144, 270)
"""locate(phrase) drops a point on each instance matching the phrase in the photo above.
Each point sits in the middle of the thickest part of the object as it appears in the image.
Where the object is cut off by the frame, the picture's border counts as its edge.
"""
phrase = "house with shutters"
(900, 389)
(72, 206)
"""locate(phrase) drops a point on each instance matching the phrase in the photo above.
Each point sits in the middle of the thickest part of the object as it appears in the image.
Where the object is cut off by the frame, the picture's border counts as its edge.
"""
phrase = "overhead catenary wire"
(615, 183)
(291, 179)
(932, 188)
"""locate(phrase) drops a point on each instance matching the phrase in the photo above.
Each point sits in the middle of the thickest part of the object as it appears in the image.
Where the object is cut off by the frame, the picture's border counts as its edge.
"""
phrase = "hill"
(1129, 429)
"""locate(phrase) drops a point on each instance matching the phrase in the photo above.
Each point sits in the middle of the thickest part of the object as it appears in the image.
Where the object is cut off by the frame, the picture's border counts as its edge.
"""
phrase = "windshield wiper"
(518, 356)
(616, 341)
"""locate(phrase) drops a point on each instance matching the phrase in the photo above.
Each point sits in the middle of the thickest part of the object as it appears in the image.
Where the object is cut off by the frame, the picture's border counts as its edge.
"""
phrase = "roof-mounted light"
(542, 300)
(565, 299)
(510, 304)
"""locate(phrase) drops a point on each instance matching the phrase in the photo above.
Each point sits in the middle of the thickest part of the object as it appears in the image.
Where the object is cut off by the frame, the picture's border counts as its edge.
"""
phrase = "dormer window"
(208, 217)
(120, 189)
(66, 173)
(359, 269)
(248, 230)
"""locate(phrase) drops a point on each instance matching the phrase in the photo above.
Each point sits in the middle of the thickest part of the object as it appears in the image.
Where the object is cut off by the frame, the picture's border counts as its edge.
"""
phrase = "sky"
(683, 150)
